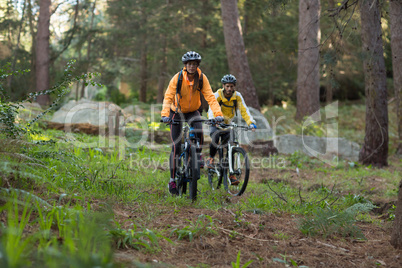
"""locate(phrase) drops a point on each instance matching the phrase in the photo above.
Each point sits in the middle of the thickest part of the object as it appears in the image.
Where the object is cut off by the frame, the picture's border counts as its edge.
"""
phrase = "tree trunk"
(396, 46)
(375, 146)
(89, 41)
(162, 71)
(33, 47)
(8, 15)
(396, 235)
(205, 12)
(204, 23)
(144, 63)
(42, 51)
(308, 71)
(236, 52)
(17, 46)
(329, 93)
(395, 14)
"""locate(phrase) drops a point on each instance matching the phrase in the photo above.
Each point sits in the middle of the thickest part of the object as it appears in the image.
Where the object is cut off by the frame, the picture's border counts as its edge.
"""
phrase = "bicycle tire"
(215, 176)
(214, 180)
(181, 174)
(241, 167)
(195, 173)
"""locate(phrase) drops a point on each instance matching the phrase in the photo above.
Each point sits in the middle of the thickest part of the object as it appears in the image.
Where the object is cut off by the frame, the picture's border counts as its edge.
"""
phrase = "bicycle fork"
(230, 148)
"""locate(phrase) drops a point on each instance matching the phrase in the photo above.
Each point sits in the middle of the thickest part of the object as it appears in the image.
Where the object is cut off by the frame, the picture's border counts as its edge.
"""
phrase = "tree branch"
(278, 195)
(344, 5)
(70, 38)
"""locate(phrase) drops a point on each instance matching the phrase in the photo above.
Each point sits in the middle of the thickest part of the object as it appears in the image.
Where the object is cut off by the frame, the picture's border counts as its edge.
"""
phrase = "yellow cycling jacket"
(189, 101)
(228, 109)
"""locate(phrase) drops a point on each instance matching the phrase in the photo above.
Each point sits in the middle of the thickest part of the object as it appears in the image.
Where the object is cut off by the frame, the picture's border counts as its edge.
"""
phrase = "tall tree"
(329, 92)
(395, 14)
(308, 72)
(162, 71)
(42, 51)
(396, 46)
(17, 46)
(162, 59)
(236, 52)
(396, 235)
(144, 62)
(31, 20)
(89, 45)
(375, 146)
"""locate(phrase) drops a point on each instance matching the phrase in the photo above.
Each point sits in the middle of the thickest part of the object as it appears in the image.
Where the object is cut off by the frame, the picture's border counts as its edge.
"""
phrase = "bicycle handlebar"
(206, 121)
(223, 125)
(176, 122)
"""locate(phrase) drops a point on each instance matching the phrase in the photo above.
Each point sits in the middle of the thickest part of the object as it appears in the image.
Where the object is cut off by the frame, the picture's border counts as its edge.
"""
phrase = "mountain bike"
(233, 160)
(188, 164)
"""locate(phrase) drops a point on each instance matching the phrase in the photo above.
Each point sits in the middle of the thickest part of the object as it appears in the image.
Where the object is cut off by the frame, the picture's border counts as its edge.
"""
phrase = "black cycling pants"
(215, 133)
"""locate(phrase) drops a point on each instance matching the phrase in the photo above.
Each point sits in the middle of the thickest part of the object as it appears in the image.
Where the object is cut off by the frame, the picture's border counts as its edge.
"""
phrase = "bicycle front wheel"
(181, 175)
(241, 172)
(195, 173)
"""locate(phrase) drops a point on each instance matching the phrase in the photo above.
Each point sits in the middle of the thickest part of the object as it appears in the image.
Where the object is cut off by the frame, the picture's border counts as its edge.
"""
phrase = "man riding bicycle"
(230, 101)
(182, 101)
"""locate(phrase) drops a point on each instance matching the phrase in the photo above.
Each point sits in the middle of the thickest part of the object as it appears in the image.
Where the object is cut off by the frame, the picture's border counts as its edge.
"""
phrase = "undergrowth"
(329, 222)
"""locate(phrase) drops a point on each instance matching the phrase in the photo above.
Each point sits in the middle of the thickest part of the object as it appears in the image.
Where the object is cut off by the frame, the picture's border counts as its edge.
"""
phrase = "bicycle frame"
(186, 143)
(233, 142)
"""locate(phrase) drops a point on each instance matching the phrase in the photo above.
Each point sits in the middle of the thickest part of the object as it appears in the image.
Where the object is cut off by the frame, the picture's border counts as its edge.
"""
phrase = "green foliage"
(327, 222)
(391, 211)
(66, 237)
(9, 110)
(316, 129)
(203, 226)
(143, 239)
(16, 248)
(101, 95)
(237, 263)
(296, 159)
(270, 30)
(287, 261)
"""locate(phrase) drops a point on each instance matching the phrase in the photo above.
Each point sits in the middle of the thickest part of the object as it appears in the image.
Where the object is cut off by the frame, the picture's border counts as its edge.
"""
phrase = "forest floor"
(91, 202)
(268, 239)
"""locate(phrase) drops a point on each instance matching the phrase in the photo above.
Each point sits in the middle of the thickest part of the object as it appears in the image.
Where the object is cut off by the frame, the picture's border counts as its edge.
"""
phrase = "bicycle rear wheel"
(241, 171)
(195, 173)
(215, 176)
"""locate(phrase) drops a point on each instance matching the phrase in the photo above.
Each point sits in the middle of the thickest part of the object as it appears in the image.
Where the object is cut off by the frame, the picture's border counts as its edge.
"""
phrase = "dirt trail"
(262, 238)
(269, 240)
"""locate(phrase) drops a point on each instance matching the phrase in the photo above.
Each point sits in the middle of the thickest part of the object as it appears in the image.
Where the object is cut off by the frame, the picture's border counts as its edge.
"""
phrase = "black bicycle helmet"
(191, 56)
(228, 78)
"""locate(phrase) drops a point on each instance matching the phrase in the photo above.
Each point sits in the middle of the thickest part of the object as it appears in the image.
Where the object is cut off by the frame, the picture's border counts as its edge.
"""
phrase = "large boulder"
(321, 147)
(88, 116)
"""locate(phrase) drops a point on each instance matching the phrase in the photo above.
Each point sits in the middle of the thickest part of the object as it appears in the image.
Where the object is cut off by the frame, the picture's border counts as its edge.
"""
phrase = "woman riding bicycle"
(182, 103)
(230, 101)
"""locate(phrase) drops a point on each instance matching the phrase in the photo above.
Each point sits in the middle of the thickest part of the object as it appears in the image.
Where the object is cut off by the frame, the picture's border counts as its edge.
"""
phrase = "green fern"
(360, 208)
(327, 222)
